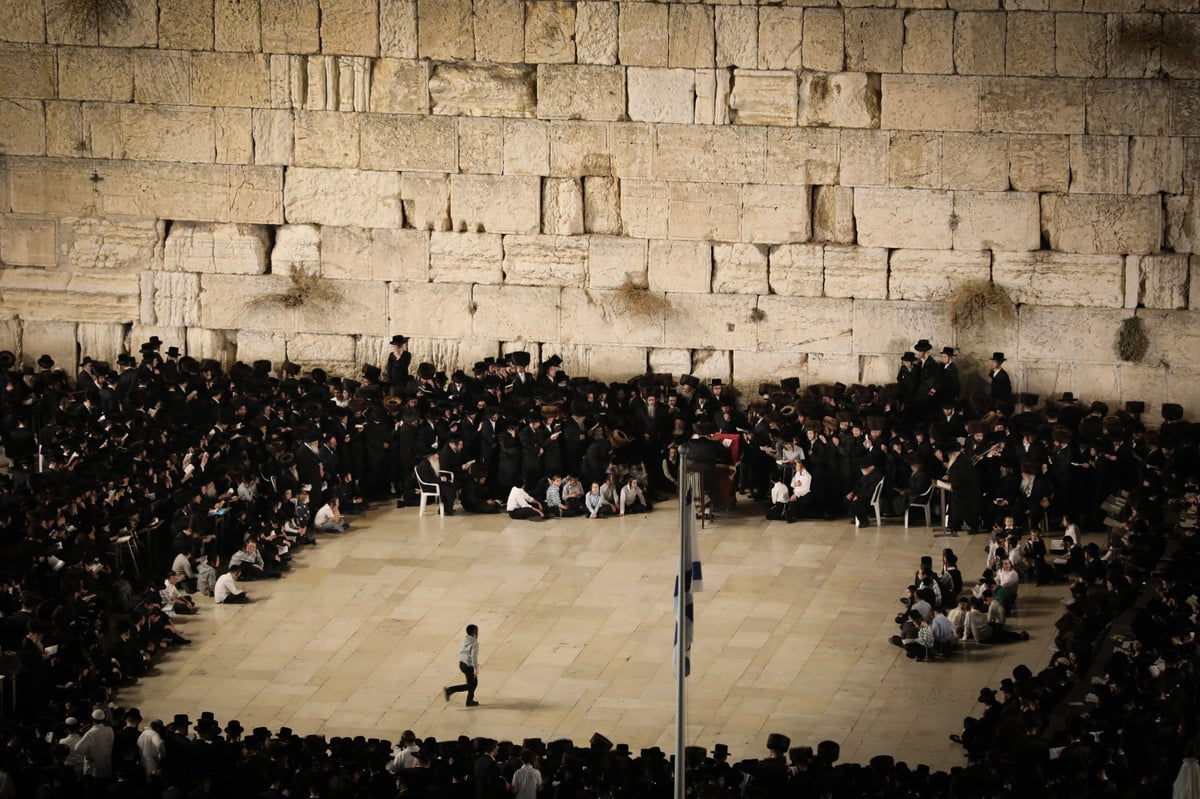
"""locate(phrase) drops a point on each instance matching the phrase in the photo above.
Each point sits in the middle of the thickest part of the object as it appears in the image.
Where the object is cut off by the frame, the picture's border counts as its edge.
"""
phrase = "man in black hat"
(929, 379)
(966, 498)
(1001, 388)
(951, 386)
(398, 362)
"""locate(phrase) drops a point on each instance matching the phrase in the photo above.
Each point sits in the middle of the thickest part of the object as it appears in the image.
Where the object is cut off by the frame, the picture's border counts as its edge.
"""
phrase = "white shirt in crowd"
(225, 588)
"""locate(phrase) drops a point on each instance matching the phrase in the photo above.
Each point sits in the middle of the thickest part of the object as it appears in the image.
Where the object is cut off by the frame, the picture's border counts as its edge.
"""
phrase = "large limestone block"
(929, 42)
(730, 155)
(233, 131)
(929, 275)
(642, 30)
(975, 161)
(580, 91)
(162, 76)
(631, 149)
(349, 27)
(234, 302)
(996, 221)
(775, 214)
(1162, 278)
(93, 73)
(596, 32)
(170, 299)
(930, 102)
(815, 325)
(690, 36)
(779, 36)
(395, 142)
(979, 42)
(371, 199)
(1032, 105)
(488, 90)
(839, 100)
(374, 254)
(833, 214)
(431, 309)
(1052, 278)
(605, 317)
(874, 39)
(803, 156)
(614, 363)
(103, 342)
(720, 321)
(28, 240)
(217, 248)
(445, 30)
(398, 28)
(545, 260)
(326, 139)
(1079, 45)
(64, 134)
(614, 261)
(737, 37)
(863, 158)
(365, 301)
(237, 26)
(526, 147)
(1183, 223)
(661, 95)
(1031, 49)
(24, 22)
(680, 266)
(22, 127)
(856, 272)
(238, 79)
(911, 218)
(504, 311)
(1137, 107)
(550, 32)
(712, 96)
(670, 360)
(500, 31)
(1185, 107)
(601, 205)
(465, 257)
(297, 247)
(141, 133)
(400, 86)
(48, 186)
(739, 269)
(824, 39)
(1156, 164)
(56, 339)
(1039, 162)
(36, 294)
(751, 368)
(884, 326)
(706, 211)
(481, 145)
(1046, 332)
(291, 26)
(914, 160)
(797, 270)
(115, 244)
(272, 133)
(425, 197)
(185, 25)
(1174, 339)
(562, 206)
(645, 207)
(579, 148)
(321, 350)
(1100, 223)
(710, 364)
(760, 97)
(65, 27)
(495, 203)
(1099, 164)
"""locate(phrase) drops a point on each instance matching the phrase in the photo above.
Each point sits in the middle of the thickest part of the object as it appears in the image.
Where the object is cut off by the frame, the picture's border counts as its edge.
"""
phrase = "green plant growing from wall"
(973, 302)
(1132, 340)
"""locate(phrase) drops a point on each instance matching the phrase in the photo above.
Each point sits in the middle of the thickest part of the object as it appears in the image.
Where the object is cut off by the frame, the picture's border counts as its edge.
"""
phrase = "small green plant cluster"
(1132, 340)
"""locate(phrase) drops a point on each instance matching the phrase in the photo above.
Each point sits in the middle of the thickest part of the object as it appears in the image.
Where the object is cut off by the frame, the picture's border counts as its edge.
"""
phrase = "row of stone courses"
(1075, 38)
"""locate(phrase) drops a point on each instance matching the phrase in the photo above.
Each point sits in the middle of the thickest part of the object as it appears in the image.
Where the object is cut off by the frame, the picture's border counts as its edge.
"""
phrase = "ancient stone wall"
(801, 182)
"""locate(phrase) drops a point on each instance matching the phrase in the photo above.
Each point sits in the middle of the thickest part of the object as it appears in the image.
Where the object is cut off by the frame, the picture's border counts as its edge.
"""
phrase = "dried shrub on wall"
(307, 289)
(973, 302)
(93, 13)
(1132, 341)
(640, 301)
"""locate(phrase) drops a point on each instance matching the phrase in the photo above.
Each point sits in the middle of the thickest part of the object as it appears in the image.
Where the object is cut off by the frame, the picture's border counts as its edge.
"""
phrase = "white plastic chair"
(924, 502)
(431, 490)
(876, 503)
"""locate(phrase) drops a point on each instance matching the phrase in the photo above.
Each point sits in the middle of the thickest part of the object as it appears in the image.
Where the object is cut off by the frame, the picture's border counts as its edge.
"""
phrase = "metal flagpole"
(681, 631)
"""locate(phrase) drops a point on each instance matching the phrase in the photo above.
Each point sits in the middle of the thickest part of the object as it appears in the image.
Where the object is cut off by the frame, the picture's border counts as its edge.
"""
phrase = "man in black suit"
(860, 497)
(398, 362)
(965, 496)
(929, 380)
(450, 460)
(951, 386)
(488, 782)
(1001, 389)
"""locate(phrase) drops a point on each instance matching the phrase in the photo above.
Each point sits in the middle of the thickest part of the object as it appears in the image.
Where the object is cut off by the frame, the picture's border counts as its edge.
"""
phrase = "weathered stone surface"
(400, 86)
(857, 272)
(929, 275)
(604, 317)
(910, 218)
(326, 139)
(349, 27)
(774, 214)
(500, 31)
(237, 27)
(882, 326)
(759, 97)
(798, 270)
(398, 28)
(1099, 164)
(712, 96)
(1163, 279)
(614, 261)
(690, 36)
(425, 197)
(465, 257)
(579, 148)
(803, 323)
(631, 150)
(63, 27)
(1045, 332)
(803, 156)
(24, 22)
(216, 248)
(36, 294)
(233, 132)
(645, 208)
(170, 299)
(1183, 223)
(979, 42)
(64, 134)
(28, 240)
(1098, 223)
(706, 211)
(680, 266)
(1128, 107)
(1079, 45)
(91, 73)
(874, 39)
(914, 160)
(580, 91)
(502, 310)
(481, 145)
(1039, 163)
(731, 155)
(1032, 105)
(545, 261)
(839, 100)
(596, 32)
(975, 161)
(643, 34)
(430, 309)
(103, 342)
(601, 205)
(365, 198)
(562, 206)
(495, 203)
(929, 42)
(996, 221)
(185, 25)
(291, 26)
(1050, 278)
(661, 95)
(116, 244)
(739, 269)
(321, 350)
(751, 368)
(272, 133)
(22, 127)
(824, 39)
(1030, 43)
(727, 320)
(709, 364)
(930, 102)
(550, 32)
(667, 360)
(237, 79)
(445, 30)
(394, 142)
(56, 339)
(374, 254)
(1174, 339)
(297, 247)
(488, 90)
(1155, 165)
(864, 158)
(779, 33)
(526, 147)
(833, 214)
(737, 36)
(162, 76)
(614, 363)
